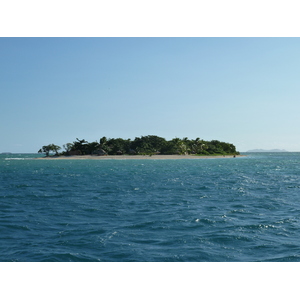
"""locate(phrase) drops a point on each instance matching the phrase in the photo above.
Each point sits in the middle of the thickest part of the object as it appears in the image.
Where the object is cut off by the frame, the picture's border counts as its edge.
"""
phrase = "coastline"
(131, 157)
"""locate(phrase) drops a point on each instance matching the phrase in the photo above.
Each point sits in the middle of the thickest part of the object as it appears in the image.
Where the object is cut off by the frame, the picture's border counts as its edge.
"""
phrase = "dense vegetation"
(145, 145)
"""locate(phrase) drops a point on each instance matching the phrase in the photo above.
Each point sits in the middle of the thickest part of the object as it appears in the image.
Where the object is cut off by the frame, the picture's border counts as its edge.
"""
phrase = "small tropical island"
(150, 145)
(264, 150)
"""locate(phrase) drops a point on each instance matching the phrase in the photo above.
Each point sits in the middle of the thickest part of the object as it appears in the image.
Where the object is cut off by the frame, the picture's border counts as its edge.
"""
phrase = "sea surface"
(209, 210)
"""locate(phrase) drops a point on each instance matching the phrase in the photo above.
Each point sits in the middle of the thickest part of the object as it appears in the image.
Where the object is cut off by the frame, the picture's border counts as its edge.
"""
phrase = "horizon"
(242, 91)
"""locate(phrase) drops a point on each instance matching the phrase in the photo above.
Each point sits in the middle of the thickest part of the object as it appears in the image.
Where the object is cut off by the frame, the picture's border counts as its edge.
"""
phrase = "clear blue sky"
(240, 90)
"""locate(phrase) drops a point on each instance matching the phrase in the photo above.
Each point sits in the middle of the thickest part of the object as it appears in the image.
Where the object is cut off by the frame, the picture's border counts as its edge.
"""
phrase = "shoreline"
(132, 157)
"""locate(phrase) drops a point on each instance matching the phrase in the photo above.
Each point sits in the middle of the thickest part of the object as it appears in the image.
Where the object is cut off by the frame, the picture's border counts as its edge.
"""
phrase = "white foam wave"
(18, 158)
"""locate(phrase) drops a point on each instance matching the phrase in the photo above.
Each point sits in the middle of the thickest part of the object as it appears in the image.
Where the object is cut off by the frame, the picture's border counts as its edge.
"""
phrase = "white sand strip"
(122, 157)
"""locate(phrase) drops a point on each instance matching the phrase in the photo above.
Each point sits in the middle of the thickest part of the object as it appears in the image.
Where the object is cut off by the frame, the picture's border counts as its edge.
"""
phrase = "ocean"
(244, 209)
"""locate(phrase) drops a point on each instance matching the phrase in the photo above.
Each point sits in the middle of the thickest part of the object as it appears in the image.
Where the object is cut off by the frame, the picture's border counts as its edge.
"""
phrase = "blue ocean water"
(214, 210)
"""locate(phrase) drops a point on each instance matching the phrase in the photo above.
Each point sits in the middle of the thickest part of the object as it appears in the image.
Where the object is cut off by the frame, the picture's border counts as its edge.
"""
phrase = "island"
(263, 150)
(150, 145)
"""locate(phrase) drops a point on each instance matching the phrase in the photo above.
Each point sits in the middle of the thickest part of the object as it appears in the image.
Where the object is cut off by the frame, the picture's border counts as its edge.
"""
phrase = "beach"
(124, 157)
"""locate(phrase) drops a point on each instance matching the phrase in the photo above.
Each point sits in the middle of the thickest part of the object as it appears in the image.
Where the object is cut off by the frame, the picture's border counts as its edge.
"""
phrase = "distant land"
(144, 145)
(263, 150)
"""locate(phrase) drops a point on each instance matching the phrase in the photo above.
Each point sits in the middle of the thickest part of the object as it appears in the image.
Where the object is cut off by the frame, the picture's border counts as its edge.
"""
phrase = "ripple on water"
(185, 210)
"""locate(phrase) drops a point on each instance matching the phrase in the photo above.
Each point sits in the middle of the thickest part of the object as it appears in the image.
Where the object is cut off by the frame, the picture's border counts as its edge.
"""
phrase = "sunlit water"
(235, 209)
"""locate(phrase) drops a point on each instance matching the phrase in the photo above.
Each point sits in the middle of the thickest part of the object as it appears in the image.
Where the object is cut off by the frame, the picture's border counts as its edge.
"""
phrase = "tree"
(49, 148)
(103, 144)
(103, 140)
(68, 147)
(176, 146)
(117, 146)
(80, 146)
(149, 144)
(196, 146)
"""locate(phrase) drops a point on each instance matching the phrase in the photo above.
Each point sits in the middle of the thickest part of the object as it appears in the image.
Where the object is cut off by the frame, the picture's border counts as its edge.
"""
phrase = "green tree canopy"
(150, 144)
(50, 148)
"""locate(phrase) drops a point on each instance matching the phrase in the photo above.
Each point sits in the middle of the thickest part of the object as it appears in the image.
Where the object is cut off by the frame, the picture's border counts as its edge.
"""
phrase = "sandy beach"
(122, 157)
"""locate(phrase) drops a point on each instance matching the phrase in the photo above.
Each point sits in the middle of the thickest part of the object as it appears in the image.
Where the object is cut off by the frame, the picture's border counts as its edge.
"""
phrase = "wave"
(18, 158)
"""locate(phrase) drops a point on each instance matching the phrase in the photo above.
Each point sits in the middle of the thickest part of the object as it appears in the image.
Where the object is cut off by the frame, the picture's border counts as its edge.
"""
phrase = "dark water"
(215, 210)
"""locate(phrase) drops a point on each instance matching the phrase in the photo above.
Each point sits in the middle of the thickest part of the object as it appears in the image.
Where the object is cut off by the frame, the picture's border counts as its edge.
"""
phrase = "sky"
(243, 91)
